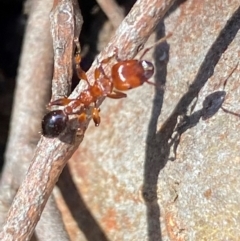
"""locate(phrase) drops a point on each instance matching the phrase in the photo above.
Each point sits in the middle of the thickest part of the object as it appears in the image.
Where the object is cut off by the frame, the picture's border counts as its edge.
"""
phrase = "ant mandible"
(125, 75)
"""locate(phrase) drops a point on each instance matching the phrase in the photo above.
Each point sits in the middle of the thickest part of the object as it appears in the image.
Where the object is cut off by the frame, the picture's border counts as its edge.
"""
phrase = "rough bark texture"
(51, 155)
(164, 163)
(32, 92)
(66, 23)
(31, 96)
(134, 178)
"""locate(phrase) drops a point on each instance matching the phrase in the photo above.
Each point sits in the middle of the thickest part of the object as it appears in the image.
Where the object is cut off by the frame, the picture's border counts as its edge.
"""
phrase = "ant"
(125, 75)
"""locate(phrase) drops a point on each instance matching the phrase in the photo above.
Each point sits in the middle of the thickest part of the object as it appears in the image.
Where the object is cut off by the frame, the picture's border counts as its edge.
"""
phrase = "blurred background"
(13, 20)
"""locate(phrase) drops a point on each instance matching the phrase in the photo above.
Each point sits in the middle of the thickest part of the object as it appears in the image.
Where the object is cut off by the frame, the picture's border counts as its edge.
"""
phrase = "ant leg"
(76, 41)
(82, 117)
(61, 102)
(116, 55)
(97, 73)
(80, 73)
(96, 115)
(99, 70)
(106, 61)
(116, 95)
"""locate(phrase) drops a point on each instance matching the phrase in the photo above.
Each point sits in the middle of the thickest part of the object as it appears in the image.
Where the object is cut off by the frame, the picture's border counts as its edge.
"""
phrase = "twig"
(113, 11)
(51, 226)
(31, 95)
(66, 23)
(51, 155)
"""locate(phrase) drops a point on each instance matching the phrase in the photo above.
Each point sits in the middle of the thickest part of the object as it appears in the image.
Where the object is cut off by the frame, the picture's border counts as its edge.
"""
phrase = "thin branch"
(31, 94)
(51, 155)
(113, 11)
(66, 22)
(51, 226)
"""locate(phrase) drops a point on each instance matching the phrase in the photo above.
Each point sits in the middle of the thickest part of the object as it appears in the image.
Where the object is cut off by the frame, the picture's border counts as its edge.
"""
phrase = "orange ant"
(125, 75)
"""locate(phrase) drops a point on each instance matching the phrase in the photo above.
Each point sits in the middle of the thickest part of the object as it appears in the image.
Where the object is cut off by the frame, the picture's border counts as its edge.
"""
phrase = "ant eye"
(54, 123)
(148, 69)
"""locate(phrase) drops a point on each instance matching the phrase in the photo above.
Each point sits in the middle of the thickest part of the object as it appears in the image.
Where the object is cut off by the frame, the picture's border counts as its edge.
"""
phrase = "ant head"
(148, 68)
(54, 123)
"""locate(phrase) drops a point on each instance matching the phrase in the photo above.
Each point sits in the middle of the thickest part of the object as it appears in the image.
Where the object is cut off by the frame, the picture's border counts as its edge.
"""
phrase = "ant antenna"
(155, 44)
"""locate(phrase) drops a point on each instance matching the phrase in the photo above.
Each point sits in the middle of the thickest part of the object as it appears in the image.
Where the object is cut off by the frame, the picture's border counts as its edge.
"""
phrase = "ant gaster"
(125, 75)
